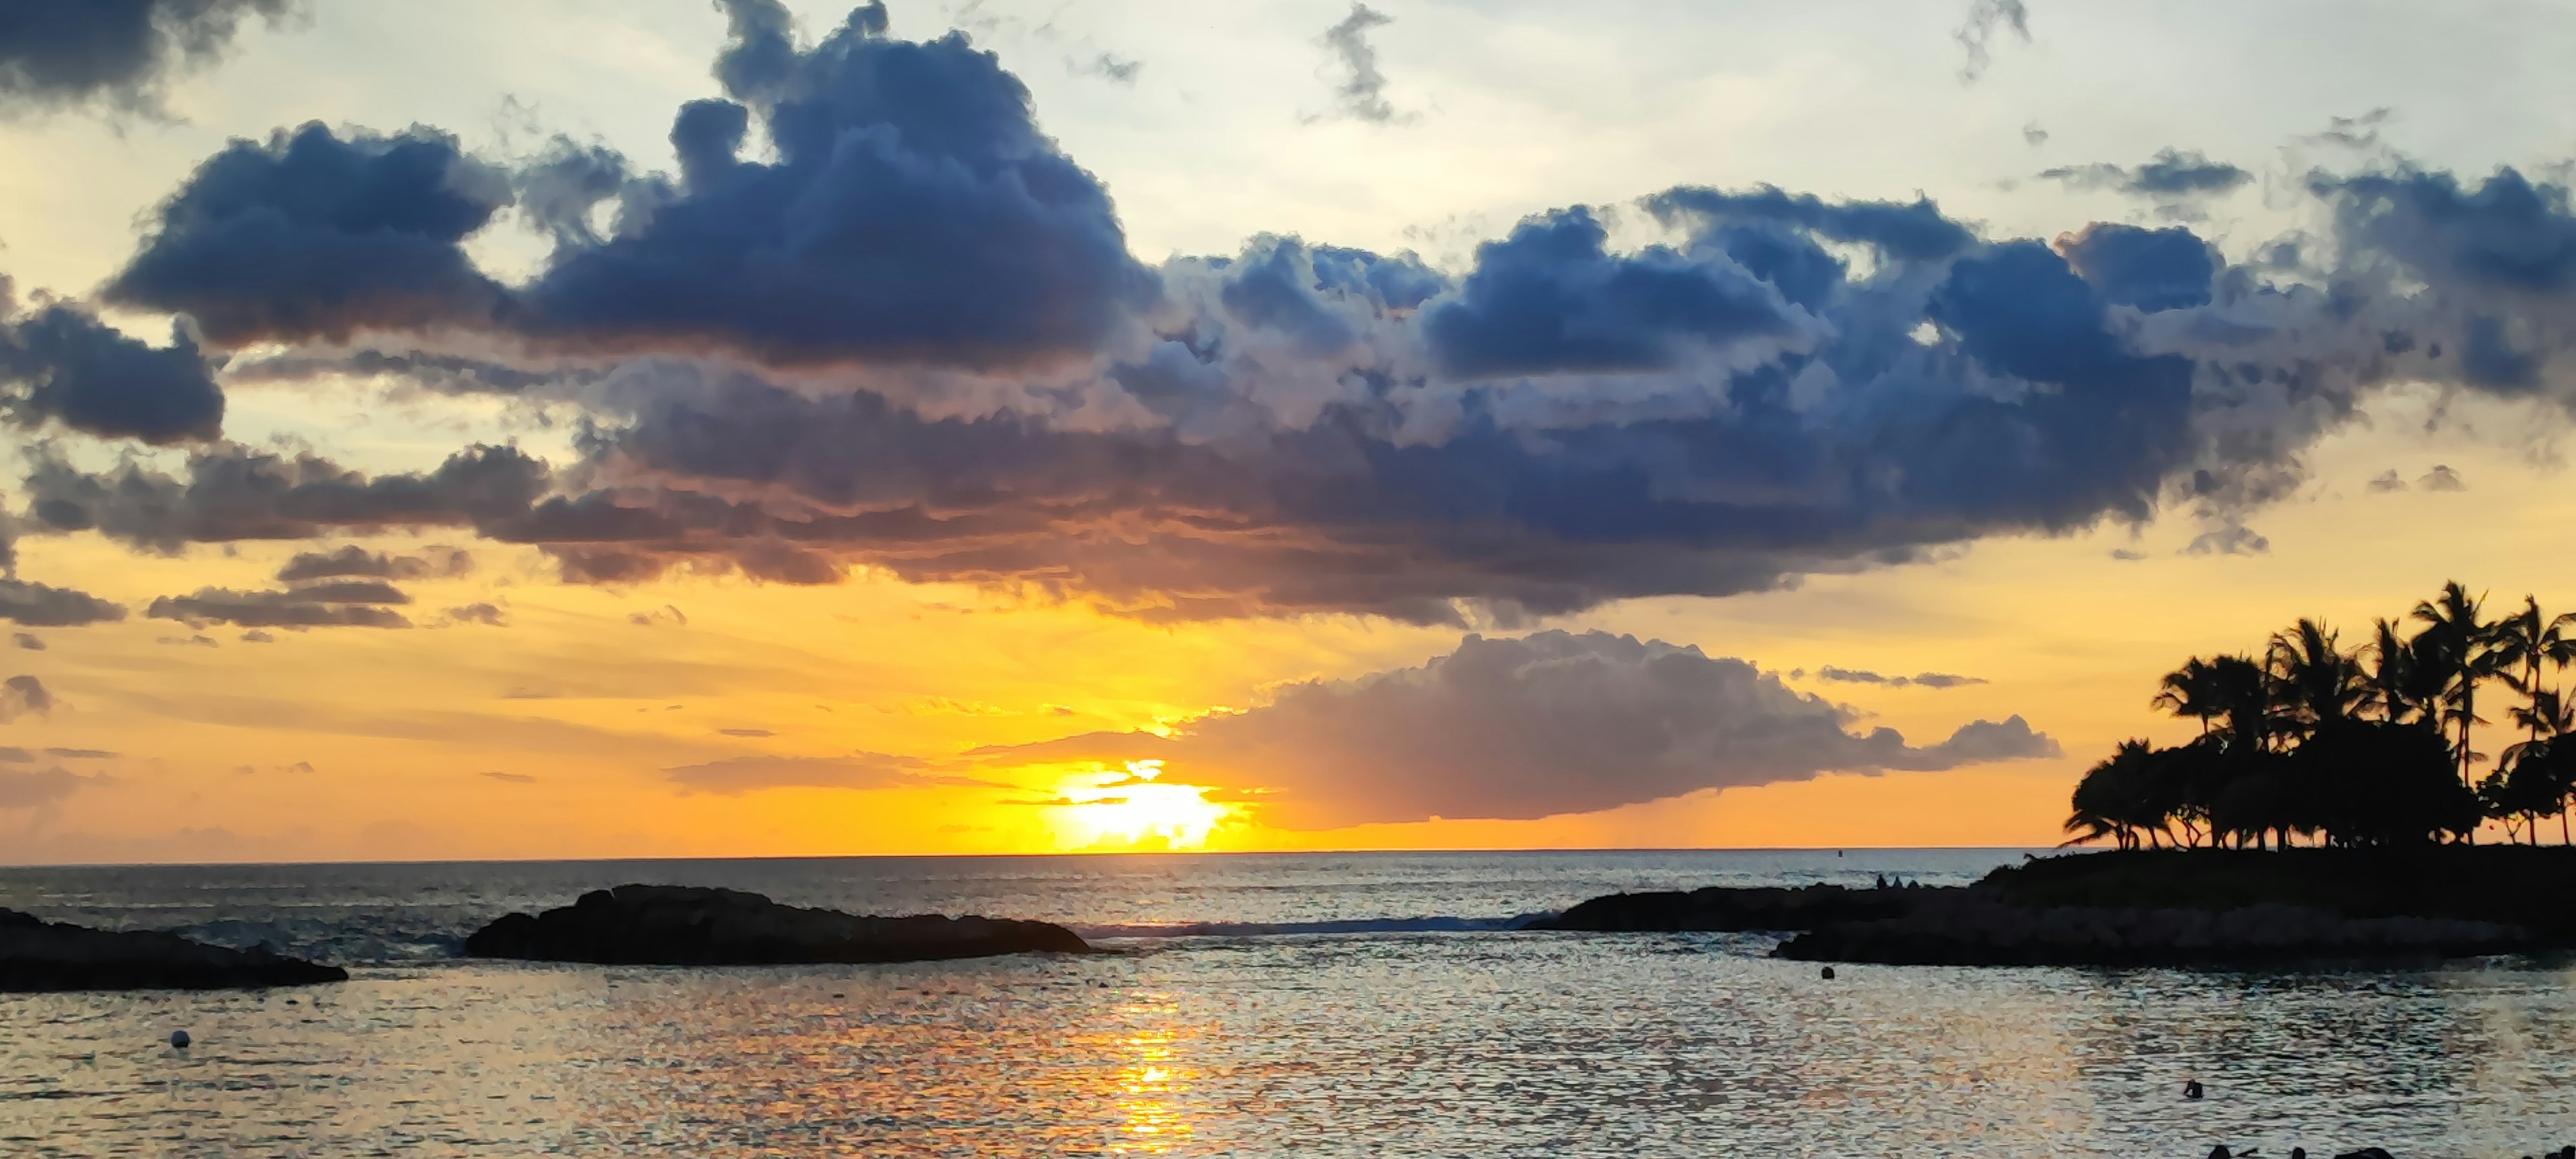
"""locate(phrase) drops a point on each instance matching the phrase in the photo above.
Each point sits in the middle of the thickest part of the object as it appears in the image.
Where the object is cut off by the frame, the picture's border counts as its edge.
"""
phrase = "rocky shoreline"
(38, 956)
(662, 925)
(2209, 908)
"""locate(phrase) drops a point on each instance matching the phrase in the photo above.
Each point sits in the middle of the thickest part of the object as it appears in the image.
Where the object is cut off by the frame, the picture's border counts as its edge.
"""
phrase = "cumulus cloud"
(487, 614)
(902, 333)
(24, 696)
(29, 641)
(116, 53)
(60, 363)
(1546, 724)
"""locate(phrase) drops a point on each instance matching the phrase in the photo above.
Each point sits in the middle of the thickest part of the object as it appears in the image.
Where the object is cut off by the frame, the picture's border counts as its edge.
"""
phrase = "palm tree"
(2242, 693)
(2192, 691)
(2313, 683)
(2537, 763)
(2526, 640)
(2456, 647)
(2392, 680)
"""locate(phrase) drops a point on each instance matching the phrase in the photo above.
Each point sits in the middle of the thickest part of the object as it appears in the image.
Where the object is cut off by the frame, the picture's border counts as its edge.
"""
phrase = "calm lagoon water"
(1372, 1004)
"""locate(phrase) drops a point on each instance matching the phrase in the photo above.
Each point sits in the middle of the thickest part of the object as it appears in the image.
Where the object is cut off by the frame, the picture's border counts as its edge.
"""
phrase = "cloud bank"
(872, 317)
(1546, 724)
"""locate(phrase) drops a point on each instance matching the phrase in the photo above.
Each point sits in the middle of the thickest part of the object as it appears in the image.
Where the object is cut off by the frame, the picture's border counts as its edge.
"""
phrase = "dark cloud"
(1547, 724)
(913, 212)
(231, 493)
(258, 636)
(24, 696)
(61, 363)
(1900, 231)
(29, 641)
(332, 603)
(2442, 478)
(115, 52)
(488, 615)
(1920, 680)
(45, 606)
(511, 778)
(2033, 135)
(2151, 269)
(81, 754)
(355, 561)
(310, 237)
(1551, 299)
(2506, 235)
(1361, 92)
(1987, 18)
(2170, 175)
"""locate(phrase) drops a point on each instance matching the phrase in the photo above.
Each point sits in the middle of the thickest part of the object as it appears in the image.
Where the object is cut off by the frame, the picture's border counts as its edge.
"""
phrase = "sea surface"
(1348, 1004)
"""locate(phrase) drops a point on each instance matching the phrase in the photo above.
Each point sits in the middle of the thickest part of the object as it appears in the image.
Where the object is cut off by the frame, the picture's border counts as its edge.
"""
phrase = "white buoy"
(179, 1038)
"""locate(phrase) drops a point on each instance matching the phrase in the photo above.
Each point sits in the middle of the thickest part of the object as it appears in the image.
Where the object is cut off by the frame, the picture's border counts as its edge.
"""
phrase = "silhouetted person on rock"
(2191, 1089)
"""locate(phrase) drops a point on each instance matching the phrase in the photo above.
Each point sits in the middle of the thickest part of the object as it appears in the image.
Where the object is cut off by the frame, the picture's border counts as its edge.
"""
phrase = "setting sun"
(1132, 808)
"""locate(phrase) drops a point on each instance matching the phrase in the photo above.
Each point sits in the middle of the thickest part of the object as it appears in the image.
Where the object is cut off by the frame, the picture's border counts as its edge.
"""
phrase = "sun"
(1133, 808)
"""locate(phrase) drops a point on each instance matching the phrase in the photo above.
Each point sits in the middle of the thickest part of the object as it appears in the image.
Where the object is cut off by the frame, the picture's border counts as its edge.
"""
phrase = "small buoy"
(2191, 1088)
(2220, 1152)
(179, 1039)
(1829, 974)
(2298, 1153)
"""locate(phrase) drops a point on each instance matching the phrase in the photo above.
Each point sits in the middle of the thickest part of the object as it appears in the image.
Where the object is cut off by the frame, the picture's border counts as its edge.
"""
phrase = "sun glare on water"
(1135, 809)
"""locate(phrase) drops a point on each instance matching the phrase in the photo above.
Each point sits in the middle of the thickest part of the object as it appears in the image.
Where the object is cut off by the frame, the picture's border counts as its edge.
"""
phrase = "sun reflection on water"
(1153, 1083)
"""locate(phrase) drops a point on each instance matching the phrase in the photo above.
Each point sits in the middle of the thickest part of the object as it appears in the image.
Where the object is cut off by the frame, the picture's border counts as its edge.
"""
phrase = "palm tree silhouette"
(2313, 684)
(2192, 691)
(2457, 647)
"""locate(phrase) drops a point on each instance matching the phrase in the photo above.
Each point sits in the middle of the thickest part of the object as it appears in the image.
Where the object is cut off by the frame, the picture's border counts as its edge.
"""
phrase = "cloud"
(1361, 93)
(258, 636)
(231, 493)
(488, 615)
(45, 606)
(1976, 36)
(29, 641)
(2033, 135)
(39, 788)
(511, 778)
(355, 561)
(2231, 539)
(1762, 385)
(1112, 68)
(334, 603)
(61, 363)
(2171, 175)
(745, 732)
(24, 696)
(2440, 478)
(1546, 724)
(312, 237)
(735, 776)
(1921, 680)
(118, 53)
(913, 213)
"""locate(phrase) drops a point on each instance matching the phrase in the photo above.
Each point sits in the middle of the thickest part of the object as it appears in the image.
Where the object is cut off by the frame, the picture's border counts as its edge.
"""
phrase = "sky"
(608, 428)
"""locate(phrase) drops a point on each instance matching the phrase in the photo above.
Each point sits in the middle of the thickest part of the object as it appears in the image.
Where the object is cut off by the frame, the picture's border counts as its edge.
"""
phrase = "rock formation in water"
(38, 955)
(2167, 908)
(672, 925)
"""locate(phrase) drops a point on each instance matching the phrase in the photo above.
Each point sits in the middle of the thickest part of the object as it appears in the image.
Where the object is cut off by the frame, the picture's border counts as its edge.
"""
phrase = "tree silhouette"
(2366, 747)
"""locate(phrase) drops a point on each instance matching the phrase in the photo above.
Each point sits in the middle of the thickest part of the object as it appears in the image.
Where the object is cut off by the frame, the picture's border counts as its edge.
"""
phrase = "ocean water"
(1359, 1004)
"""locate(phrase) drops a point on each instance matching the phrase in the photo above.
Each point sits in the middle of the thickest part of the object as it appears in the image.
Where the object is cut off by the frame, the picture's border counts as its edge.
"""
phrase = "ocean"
(1336, 1004)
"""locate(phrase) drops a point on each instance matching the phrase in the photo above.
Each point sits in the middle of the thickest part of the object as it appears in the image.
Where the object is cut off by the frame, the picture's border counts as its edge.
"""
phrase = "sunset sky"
(588, 428)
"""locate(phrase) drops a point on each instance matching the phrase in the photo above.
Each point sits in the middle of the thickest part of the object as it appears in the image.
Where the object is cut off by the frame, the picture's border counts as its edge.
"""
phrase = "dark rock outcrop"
(667, 925)
(1954, 928)
(38, 955)
(1721, 910)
